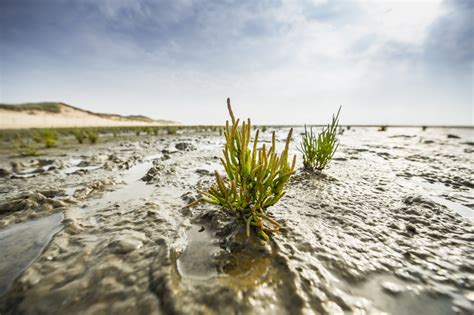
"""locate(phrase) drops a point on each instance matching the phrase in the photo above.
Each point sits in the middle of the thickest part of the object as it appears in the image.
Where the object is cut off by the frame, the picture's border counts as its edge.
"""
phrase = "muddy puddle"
(197, 260)
(387, 228)
(395, 296)
(22, 243)
(462, 204)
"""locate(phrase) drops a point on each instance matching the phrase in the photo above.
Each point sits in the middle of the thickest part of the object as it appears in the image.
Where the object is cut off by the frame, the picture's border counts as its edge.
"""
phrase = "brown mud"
(101, 229)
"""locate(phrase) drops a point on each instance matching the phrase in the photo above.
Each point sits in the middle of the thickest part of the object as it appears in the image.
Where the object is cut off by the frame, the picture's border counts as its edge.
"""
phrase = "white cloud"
(291, 62)
(401, 20)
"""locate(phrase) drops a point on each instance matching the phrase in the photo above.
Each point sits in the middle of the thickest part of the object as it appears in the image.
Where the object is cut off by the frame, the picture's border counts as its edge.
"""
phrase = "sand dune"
(57, 115)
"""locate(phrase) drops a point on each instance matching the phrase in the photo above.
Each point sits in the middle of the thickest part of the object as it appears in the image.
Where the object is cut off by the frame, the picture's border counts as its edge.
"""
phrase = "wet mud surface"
(102, 229)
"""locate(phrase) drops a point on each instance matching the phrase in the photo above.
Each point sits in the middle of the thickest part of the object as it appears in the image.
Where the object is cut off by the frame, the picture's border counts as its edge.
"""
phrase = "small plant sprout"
(319, 150)
(256, 178)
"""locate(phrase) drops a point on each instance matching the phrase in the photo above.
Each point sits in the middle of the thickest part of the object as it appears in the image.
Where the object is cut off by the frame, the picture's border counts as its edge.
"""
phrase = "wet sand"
(101, 229)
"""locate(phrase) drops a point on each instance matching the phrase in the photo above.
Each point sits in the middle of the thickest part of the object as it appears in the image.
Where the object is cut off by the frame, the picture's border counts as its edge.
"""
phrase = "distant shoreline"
(60, 115)
(181, 126)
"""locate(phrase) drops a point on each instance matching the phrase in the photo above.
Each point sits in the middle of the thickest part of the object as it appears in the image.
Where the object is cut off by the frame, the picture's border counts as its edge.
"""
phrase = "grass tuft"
(256, 178)
(319, 150)
(45, 106)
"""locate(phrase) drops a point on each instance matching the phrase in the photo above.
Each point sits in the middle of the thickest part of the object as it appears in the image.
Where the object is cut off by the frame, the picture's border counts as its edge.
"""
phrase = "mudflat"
(103, 228)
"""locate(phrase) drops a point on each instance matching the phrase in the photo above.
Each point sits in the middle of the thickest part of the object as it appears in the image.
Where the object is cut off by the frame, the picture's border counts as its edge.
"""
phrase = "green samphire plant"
(92, 136)
(256, 178)
(50, 138)
(37, 136)
(79, 134)
(172, 130)
(23, 147)
(318, 150)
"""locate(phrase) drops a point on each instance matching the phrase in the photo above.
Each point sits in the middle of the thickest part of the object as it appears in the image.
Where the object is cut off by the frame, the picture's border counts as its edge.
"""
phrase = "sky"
(280, 61)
